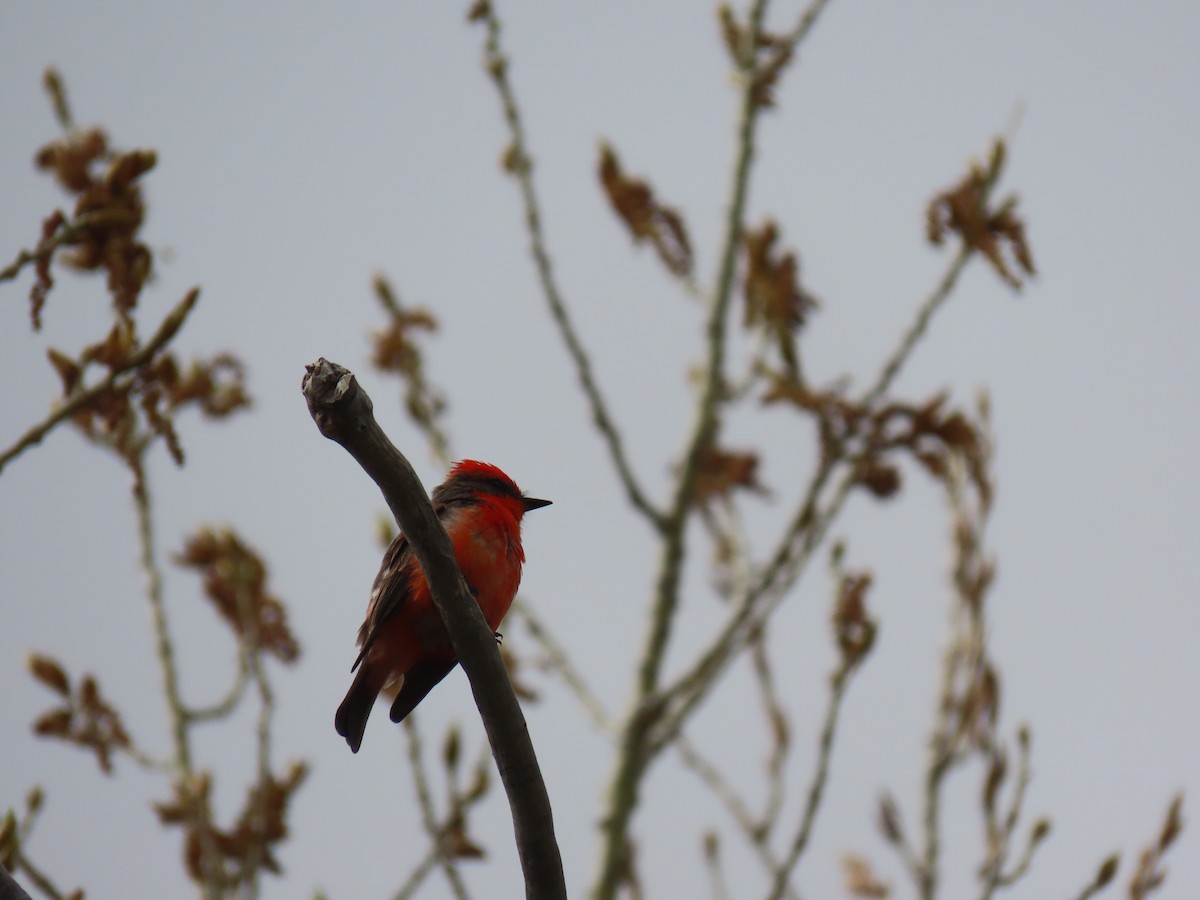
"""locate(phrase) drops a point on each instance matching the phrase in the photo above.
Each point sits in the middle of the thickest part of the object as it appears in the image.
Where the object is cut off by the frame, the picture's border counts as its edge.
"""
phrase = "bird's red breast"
(487, 546)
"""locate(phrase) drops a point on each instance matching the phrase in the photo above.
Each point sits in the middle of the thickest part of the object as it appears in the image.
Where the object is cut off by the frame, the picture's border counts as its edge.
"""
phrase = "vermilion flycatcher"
(481, 509)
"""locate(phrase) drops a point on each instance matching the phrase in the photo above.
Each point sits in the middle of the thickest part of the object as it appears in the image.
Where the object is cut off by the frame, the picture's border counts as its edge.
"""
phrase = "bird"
(481, 509)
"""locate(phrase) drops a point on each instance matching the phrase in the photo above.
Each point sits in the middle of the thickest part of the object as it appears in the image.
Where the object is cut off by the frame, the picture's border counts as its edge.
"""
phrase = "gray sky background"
(303, 149)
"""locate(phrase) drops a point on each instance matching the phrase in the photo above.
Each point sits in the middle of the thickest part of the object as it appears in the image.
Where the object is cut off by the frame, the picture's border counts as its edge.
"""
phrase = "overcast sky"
(301, 150)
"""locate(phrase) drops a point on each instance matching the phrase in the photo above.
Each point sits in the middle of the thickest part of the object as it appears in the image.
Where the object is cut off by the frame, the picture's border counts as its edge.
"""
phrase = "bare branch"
(816, 789)
(925, 313)
(521, 166)
(1000, 835)
(210, 863)
(428, 817)
(343, 413)
(777, 725)
(229, 702)
(562, 664)
(638, 747)
(737, 808)
(417, 877)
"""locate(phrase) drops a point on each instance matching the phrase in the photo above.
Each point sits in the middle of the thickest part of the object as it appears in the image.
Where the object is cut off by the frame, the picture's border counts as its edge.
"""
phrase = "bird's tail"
(352, 715)
(419, 681)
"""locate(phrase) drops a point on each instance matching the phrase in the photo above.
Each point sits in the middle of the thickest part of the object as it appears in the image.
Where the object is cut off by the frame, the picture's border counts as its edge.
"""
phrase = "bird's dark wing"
(419, 681)
(388, 592)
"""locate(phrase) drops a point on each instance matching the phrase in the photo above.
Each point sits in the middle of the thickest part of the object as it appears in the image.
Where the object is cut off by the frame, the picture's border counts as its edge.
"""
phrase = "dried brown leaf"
(1107, 871)
(964, 209)
(881, 479)
(861, 880)
(775, 299)
(452, 748)
(853, 628)
(997, 771)
(1173, 824)
(889, 820)
(778, 54)
(721, 472)
(646, 218)
(732, 34)
(114, 351)
(68, 370)
(49, 672)
(56, 723)
(456, 844)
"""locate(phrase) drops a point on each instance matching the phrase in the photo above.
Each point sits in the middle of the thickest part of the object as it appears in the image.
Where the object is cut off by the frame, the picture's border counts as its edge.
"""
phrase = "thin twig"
(165, 652)
(1000, 837)
(561, 663)
(907, 854)
(229, 702)
(148, 762)
(925, 313)
(428, 817)
(418, 875)
(777, 724)
(965, 655)
(816, 789)
(941, 758)
(65, 235)
(497, 66)
(252, 663)
(163, 645)
(737, 808)
(712, 862)
(439, 442)
(36, 876)
(166, 331)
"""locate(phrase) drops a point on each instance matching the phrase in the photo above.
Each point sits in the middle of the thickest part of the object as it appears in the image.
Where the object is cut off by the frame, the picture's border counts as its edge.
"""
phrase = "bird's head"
(471, 478)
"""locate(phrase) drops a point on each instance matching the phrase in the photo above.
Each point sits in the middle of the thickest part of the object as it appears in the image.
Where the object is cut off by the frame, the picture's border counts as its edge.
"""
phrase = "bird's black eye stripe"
(500, 486)
(463, 491)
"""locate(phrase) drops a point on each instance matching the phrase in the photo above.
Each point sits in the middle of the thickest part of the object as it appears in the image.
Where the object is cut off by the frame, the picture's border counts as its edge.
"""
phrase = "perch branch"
(343, 413)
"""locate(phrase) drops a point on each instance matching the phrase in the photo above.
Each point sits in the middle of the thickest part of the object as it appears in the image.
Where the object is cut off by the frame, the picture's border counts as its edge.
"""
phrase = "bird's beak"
(534, 503)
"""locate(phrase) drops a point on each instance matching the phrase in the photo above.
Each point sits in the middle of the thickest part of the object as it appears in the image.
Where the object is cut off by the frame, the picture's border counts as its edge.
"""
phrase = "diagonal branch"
(64, 236)
(816, 789)
(522, 170)
(166, 331)
(561, 662)
(343, 413)
(707, 772)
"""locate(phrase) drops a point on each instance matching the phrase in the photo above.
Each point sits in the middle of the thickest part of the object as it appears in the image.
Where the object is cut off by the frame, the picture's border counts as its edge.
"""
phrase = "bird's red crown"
(473, 468)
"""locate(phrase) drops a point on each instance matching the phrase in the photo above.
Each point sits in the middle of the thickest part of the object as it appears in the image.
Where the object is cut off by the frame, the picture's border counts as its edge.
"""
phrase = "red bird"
(481, 509)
